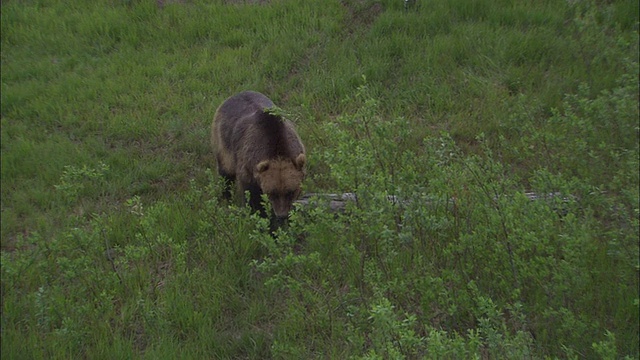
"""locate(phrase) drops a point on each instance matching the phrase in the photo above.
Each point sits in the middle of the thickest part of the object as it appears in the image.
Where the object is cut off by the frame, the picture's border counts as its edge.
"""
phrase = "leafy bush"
(449, 246)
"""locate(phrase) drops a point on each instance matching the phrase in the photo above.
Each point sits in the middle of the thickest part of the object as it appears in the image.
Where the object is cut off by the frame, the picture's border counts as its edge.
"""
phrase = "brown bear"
(258, 150)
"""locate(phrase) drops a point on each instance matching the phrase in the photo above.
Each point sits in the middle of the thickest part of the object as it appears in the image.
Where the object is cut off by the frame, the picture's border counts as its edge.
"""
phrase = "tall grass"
(115, 241)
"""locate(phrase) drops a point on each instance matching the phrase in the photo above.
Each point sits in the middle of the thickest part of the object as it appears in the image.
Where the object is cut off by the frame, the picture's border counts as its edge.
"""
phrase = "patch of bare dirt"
(162, 3)
(249, 2)
(361, 13)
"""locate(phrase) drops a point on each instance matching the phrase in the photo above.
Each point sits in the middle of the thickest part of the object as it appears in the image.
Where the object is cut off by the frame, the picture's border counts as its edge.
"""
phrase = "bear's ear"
(300, 161)
(262, 166)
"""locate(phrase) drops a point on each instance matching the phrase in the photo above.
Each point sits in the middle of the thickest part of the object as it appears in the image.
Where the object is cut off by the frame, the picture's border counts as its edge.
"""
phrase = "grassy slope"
(134, 86)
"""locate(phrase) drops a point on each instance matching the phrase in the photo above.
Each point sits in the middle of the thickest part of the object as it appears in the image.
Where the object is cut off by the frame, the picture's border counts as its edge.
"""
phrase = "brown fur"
(260, 151)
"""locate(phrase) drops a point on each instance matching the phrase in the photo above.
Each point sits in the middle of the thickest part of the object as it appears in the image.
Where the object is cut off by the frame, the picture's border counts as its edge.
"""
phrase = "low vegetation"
(440, 116)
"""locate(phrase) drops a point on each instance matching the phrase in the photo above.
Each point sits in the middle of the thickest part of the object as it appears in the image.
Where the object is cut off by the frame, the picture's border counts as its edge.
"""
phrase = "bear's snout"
(281, 207)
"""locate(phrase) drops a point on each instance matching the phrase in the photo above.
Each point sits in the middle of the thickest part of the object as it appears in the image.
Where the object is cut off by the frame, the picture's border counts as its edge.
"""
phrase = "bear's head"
(281, 179)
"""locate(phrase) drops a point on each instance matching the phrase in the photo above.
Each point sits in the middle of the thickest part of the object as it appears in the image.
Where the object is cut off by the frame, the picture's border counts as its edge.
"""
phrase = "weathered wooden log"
(337, 202)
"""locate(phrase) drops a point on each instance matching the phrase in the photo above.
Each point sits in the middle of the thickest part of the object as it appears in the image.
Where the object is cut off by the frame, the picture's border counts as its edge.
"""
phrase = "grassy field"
(116, 244)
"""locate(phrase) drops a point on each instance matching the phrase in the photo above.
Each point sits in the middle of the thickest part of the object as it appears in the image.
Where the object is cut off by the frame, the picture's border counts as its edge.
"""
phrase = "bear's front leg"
(255, 197)
(228, 179)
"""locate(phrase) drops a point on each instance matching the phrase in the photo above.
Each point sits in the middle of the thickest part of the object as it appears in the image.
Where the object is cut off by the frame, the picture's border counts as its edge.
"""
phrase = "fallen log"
(337, 202)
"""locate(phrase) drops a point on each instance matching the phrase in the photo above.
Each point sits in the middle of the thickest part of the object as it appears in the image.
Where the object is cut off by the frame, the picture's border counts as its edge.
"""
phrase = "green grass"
(115, 243)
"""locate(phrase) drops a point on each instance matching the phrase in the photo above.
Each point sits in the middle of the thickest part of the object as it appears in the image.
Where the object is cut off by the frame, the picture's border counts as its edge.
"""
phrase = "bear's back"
(244, 104)
(251, 133)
